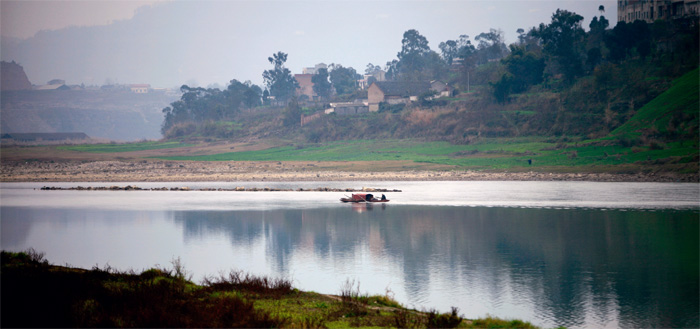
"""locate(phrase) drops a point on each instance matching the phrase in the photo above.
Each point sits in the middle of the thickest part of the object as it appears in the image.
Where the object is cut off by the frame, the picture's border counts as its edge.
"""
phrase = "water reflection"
(570, 267)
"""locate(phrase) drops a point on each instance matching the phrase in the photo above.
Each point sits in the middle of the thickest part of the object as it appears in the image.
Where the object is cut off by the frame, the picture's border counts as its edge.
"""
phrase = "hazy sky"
(168, 43)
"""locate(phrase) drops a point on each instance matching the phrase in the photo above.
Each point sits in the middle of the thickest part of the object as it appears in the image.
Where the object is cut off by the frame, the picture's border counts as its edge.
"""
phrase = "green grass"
(626, 147)
(367, 150)
(488, 154)
(680, 99)
(127, 147)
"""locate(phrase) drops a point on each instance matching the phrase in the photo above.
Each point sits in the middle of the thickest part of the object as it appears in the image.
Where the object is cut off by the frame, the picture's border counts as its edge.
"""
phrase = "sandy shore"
(189, 171)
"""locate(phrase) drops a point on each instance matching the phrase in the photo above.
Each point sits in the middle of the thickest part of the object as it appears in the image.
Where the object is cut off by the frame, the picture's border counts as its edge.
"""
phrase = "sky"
(169, 43)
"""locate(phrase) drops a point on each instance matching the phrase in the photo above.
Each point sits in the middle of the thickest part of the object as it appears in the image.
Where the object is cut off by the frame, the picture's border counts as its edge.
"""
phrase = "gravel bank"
(190, 171)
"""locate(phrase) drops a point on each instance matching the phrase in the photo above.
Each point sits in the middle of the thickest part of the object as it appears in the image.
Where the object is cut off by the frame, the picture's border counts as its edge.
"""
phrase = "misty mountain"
(178, 42)
(174, 43)
(129, 51)
(112, 114)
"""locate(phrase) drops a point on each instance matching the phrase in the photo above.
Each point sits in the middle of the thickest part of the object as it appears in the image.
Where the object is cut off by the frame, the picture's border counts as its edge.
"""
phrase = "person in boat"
(383, 197)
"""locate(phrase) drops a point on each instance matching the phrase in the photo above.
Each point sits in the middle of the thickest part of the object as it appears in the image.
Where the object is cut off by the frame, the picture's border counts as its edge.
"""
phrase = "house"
(395, 92)
(348, 108)
(314, 70)
(651, 10)
(44, 137)
(379, 75)
(140, 88)
(441, 88)
(306, 87)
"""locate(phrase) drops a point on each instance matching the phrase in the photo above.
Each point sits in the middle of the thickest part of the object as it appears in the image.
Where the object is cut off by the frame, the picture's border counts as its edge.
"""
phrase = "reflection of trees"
(567, 263)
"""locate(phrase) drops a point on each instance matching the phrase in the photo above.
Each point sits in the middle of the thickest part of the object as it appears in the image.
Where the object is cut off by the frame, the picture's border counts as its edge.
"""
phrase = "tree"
(266, 97)
(413, 57)
(449, 50)
(628, 40)
(526, 67)
(322, 87)
(452, 49)
(292, 113)
(344, 79)
(392, 69)
(523, 69)
(563, 42)
(595, 41)
(279, 80)
(253, 95)
(372, 69)
(521, 36)
(413, 44)
(491, 46)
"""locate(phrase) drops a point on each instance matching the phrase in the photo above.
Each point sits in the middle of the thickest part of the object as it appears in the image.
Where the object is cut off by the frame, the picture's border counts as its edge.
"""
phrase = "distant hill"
(674, 113)
(111, 114)
(13, 77)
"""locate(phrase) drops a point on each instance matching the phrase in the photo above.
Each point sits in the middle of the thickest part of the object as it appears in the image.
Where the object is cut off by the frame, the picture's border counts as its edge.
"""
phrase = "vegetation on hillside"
(37, 294)
(661, 136)
(556, 80)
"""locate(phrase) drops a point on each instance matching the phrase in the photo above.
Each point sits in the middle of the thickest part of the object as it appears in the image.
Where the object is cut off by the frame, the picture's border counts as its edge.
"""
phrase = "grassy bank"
(514, 154)
(38, 294)
(661, 137)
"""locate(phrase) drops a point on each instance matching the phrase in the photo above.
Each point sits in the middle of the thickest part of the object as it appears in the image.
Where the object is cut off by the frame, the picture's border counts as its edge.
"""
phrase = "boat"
(357, 198)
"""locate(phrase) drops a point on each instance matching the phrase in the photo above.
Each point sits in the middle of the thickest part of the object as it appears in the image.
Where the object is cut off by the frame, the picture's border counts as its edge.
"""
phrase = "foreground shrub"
(437, 320)
(239, 280)
(37, 295)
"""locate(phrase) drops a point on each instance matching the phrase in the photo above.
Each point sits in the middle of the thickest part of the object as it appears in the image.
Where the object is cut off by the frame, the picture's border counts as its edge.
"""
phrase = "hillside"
(671, 115)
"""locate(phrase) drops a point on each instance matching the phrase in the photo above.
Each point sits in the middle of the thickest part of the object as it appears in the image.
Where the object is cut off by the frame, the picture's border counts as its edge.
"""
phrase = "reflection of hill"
(566, 262)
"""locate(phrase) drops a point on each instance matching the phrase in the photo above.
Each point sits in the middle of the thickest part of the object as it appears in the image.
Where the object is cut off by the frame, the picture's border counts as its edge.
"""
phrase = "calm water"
(572, 254)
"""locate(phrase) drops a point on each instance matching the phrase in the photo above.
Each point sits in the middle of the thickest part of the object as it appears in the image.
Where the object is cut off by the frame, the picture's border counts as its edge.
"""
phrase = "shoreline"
(199, 171)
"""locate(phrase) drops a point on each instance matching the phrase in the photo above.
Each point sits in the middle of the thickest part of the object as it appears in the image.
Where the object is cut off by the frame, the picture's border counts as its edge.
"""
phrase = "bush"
(353, 301)
(180, 130)
(238, 280)
(391, 108)
(437, 320)
(108, 298)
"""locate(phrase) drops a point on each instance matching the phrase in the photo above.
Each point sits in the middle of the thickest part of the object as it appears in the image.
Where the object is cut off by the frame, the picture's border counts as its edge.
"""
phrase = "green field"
(128, 147)
(498, 154)
(662, 133)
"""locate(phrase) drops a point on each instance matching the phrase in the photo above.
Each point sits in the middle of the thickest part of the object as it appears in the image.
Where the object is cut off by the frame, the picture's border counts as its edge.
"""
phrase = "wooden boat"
(357, 198)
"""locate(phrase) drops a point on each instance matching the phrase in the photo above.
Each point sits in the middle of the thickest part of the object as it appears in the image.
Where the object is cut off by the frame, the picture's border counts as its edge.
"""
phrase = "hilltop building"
(379, 75)
(306, 87)
(314, 70)
(140, 88)
(347, 108)
(396, 92)
(652, 10)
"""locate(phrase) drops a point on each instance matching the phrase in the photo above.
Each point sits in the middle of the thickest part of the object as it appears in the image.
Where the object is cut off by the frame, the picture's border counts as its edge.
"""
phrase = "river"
(574, 254)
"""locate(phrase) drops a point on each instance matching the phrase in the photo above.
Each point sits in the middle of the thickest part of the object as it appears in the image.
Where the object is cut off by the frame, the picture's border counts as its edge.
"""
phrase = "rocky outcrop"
(13, 77)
